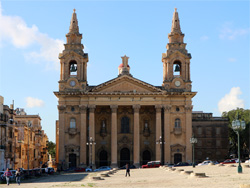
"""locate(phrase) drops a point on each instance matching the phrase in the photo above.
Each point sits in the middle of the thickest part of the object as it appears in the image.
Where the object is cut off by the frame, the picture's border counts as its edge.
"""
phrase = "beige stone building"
(30, 141)
(22, 140)
(124, 119)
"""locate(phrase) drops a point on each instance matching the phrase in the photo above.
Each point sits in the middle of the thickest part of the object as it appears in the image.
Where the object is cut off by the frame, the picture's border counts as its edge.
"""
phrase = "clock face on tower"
(177, 83)
(72, 83)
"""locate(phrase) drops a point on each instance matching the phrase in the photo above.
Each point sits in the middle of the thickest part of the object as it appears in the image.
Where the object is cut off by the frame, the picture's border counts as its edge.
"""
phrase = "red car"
(152, 164)
(228, 161)
(80, 170)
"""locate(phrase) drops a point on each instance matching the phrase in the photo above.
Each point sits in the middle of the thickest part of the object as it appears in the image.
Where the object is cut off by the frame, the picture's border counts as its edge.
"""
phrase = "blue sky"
(32, 34)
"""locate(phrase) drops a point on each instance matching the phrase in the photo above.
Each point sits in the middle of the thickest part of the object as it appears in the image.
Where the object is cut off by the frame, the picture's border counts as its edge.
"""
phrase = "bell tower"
(176, 61)
(73, 60)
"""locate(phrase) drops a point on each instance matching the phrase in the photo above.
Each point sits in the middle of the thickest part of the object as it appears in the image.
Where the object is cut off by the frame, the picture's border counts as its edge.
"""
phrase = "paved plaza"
(217, 177)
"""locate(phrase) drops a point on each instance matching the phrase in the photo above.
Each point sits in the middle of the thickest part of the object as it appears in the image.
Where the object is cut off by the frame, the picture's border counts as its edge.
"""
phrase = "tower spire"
(73, 28)
(176, 36)
(175, 22)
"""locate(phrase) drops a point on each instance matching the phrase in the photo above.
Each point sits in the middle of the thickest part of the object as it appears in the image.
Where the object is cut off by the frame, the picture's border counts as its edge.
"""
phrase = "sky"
(32, 34)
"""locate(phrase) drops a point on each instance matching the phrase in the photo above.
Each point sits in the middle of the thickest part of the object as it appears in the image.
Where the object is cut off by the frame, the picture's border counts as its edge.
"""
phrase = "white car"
(247, 161)
(207, 162)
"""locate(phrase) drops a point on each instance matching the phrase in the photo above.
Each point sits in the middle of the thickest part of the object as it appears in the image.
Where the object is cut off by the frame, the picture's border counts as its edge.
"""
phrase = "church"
(124, 120)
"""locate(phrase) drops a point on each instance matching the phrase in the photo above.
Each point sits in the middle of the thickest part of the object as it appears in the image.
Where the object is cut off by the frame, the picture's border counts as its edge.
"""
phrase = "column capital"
(167, 107)
(83, 108)
(91, 107)
(114, 108)
(158, 107)
(61, 108)
(188, 108)
(136, 107)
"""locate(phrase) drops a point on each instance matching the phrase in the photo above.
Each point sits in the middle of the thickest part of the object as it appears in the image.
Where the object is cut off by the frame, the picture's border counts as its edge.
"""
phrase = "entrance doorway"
(72, 160)
(146, 156)
(103, 156)
(124, 156)
(177, 158)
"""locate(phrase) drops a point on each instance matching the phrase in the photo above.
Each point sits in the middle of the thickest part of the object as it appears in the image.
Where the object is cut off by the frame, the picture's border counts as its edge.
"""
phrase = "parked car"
(88, 169)
(247, 161)
(102, 168)
(206, 162)
(152, 164)
(131, 167)
(182, 164)
(80, 169)
(229, 161)
(50, 170)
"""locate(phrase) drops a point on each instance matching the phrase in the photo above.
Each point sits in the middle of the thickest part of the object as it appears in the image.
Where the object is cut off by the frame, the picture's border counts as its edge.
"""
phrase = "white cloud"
(231, 100)
(230, 33)
(34, 102)
(232, 59)
(14, 29)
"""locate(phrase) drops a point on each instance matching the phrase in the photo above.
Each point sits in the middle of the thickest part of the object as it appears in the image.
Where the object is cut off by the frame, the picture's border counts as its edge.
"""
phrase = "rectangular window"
(218, 143)
(199, 130)
(217, 130)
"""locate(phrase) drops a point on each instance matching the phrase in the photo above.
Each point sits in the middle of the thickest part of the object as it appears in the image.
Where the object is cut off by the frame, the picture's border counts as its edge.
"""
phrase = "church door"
(124, 156)
(103, 156)
(146, 156)
(177, 158)
(72, 160)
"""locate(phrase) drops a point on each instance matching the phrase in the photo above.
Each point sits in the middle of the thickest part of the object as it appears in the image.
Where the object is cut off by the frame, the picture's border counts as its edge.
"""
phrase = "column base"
(114, 165)
(137, 165)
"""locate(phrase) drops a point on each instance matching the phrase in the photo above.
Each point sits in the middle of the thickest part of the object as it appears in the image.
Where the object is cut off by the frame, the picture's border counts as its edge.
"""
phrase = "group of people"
(7, 174)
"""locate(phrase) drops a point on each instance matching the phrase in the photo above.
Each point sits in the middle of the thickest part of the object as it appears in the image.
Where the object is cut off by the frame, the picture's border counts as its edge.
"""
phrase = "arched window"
(72, 123)
(177, 123)
(73, 68)
(177, 68)
(125, 125)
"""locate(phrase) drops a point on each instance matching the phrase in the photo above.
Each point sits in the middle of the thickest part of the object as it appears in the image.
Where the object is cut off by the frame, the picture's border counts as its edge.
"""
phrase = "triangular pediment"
(126, 84)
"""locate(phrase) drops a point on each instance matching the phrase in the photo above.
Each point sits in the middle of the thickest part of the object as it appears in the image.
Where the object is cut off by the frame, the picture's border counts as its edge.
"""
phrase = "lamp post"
(161, 142)
(90, 143)
(237, 126)
(193, 141)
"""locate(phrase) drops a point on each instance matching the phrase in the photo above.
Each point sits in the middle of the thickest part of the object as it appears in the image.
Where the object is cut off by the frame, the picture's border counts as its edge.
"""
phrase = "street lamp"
(161, 142)
(90, 143)
(237, 125)
(193, 141)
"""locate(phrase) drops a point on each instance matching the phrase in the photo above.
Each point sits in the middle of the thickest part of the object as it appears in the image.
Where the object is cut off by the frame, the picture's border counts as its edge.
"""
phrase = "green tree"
(244, 134)
(52, 149)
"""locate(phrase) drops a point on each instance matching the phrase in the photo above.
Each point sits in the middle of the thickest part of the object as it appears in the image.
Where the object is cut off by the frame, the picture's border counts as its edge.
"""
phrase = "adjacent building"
(124, 119)
(23, 143)
(212, 135)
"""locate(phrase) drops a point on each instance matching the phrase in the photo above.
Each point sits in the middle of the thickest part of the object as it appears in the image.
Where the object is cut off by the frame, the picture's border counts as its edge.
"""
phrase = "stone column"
(188, 128)
(114, 136)
(61, 109)
(83, 134)
(167, 149)
(136, 135)
(92, 132)
(158, 132)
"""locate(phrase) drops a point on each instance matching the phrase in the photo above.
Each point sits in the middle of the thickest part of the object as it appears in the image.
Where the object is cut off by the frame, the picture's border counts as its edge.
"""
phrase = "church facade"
(124, 119)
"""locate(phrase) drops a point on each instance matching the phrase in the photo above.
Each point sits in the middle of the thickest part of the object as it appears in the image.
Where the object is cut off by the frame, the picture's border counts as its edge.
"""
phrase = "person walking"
(7, 175)
(18, 176)
(127, 170)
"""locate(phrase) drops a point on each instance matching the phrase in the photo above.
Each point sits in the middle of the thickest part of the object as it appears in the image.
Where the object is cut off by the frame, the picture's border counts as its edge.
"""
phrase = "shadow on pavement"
(63, 177)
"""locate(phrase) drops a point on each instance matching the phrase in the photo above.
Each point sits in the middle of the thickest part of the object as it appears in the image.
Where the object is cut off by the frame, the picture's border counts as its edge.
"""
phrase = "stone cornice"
(128, 78)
